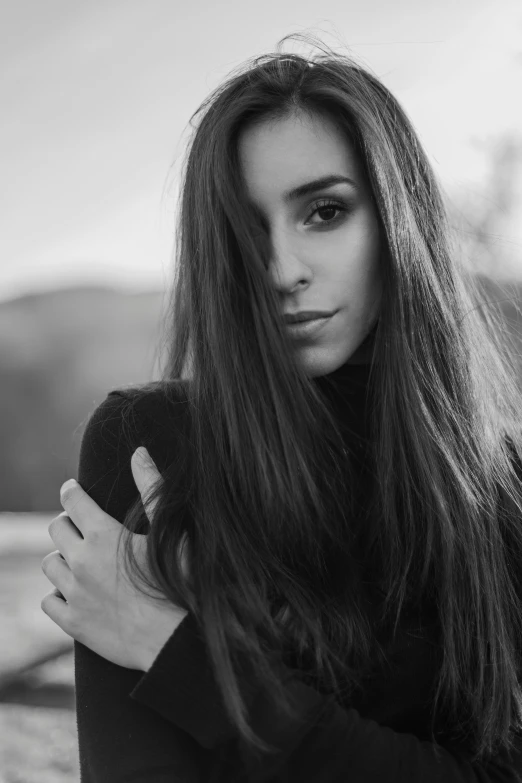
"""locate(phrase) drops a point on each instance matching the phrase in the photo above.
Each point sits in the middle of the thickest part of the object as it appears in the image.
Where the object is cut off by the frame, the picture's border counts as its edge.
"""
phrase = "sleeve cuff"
(180, 685)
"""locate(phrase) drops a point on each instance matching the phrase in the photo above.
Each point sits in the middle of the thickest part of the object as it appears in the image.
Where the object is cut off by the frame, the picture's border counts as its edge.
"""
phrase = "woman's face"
(325, 243)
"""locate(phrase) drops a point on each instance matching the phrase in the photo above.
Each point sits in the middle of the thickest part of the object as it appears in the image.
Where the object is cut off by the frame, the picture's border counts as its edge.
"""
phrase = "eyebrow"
(316, 184)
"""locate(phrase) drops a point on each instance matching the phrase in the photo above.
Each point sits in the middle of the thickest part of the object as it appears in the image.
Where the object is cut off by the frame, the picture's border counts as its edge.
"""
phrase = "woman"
(349, 607)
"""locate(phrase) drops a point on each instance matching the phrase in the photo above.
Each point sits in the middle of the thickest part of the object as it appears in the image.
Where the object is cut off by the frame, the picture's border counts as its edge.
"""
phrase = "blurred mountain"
(60, 355)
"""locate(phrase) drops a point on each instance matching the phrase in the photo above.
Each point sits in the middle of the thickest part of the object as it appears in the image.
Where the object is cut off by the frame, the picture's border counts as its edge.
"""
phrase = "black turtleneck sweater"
(169, 723)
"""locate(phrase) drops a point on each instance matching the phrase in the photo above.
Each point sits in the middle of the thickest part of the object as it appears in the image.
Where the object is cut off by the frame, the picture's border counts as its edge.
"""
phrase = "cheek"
(364, 277)
(362, 259)
(370, 239)
(374, 290)
(370, 258)
(353, 256)
(361, 239)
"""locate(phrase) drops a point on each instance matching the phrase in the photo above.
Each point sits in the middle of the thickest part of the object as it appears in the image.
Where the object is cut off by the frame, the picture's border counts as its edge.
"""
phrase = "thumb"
(146, 475)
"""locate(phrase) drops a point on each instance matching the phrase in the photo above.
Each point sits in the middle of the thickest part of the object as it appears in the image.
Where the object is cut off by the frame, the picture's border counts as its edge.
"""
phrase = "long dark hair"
(262, 484)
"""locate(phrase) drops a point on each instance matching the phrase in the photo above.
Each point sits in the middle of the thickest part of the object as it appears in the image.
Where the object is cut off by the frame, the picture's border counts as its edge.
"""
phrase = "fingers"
(56, 608)
(146, 475)
(64, 535)
(58, 572)
(80, 507)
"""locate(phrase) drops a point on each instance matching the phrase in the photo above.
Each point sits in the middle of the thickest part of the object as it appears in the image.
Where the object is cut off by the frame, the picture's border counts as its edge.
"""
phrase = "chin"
(321, 362)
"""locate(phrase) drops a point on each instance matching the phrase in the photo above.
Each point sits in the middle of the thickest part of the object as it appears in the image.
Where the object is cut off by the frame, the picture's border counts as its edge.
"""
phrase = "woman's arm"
(170, 724)
(328, 744)
(120, 740)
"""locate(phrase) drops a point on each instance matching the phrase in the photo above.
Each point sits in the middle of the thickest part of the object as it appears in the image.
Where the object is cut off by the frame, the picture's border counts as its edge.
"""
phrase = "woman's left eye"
(328, 206)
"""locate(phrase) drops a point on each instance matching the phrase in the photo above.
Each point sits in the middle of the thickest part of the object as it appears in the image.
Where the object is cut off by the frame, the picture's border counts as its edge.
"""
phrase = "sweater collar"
(349, 391)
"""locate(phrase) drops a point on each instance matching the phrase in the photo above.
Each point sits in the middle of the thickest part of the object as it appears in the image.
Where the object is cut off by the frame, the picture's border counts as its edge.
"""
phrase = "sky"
(96, 99)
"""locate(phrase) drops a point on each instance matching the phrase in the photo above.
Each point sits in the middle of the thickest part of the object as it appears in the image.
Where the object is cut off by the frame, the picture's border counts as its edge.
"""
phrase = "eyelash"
(328, 204)
(318, 206)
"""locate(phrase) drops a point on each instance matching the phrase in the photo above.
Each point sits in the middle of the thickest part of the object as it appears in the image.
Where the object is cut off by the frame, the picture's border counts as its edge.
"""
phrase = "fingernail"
(68, 484)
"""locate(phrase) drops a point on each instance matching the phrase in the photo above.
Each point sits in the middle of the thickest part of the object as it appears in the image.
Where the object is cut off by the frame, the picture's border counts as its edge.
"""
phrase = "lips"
(309, 315)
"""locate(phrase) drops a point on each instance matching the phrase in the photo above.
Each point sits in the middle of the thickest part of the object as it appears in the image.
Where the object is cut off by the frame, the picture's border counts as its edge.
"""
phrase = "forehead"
(278, 154)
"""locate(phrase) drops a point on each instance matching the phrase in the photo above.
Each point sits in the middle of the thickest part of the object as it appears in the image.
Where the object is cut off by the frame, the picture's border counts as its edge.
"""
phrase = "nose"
(286, 268)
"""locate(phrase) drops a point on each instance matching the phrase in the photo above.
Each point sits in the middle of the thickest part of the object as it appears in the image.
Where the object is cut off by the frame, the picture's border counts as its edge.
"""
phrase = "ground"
(38, 739)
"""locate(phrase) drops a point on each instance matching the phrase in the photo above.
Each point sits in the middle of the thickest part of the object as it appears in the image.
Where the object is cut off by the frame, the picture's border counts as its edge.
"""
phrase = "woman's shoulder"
(157, 403)
(153, 395)
(154, 415)
(155, 407)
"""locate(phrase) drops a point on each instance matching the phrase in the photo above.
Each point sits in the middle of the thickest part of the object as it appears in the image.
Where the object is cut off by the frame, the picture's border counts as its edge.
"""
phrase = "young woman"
(349, 490)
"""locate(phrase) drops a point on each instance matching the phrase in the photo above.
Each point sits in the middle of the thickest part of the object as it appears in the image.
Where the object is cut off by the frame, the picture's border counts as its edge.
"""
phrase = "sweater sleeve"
(169, 724)
(120, 740)
(327, 744)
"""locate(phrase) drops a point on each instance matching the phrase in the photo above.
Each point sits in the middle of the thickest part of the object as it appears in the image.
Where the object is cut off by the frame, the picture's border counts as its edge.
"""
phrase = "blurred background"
(96, 98)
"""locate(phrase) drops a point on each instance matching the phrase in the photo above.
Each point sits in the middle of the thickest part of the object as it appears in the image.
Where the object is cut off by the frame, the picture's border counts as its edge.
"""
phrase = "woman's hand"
(94, 600)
